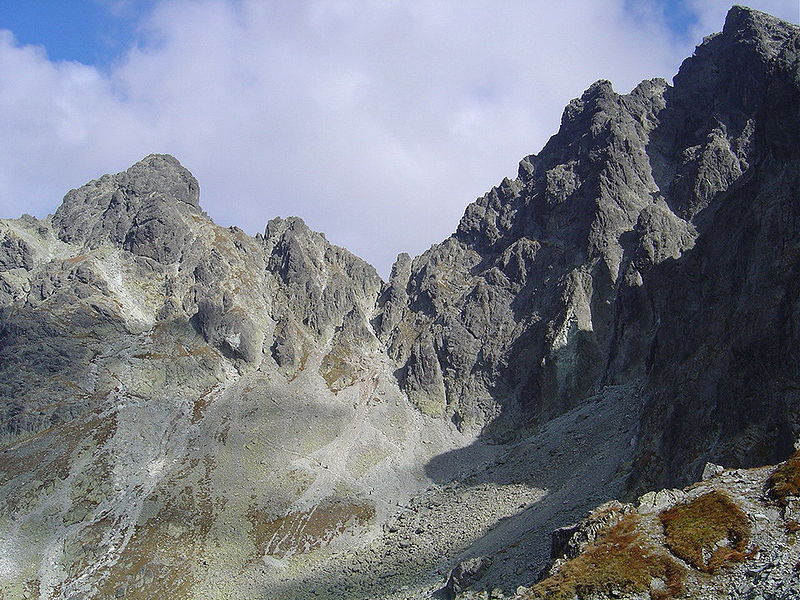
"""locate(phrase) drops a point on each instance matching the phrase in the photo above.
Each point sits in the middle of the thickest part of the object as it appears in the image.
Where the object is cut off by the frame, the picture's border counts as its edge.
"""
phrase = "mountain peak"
(141, 209)
(768, 33)
(743, 17)
(164, 175)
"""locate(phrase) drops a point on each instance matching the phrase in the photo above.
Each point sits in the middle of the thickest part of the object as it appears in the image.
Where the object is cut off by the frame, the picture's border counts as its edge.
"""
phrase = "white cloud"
(376, 121)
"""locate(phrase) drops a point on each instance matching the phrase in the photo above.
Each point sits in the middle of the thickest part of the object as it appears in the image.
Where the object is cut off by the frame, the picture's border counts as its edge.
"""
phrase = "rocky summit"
(189, 412)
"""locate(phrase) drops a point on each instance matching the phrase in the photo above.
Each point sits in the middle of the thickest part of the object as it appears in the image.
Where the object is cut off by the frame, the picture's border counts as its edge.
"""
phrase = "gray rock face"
(187, 411)
(465, 574)
(537, 262)
(720, 365)
(15, 253)
(143, 210)
(645, 212)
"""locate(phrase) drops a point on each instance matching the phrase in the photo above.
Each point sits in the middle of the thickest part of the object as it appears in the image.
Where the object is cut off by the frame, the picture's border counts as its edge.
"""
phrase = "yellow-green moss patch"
(709, 532)
(785, 481)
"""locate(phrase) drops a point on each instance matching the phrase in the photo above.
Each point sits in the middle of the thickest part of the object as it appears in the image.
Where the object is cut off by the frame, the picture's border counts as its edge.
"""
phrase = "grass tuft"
(785, 481)
(709, 532)
(619, 562)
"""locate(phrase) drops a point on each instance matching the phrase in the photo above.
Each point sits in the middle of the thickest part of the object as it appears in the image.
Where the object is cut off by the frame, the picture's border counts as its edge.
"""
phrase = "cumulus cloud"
(375, 121)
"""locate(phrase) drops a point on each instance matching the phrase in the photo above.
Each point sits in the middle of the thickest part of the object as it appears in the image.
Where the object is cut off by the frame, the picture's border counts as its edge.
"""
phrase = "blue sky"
(360, 116)
(87, 31)
(678, 16)
(97, 32)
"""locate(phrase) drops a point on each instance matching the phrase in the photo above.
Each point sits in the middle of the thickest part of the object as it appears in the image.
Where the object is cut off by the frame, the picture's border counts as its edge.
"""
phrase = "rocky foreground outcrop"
(731, 535)
(191, 412)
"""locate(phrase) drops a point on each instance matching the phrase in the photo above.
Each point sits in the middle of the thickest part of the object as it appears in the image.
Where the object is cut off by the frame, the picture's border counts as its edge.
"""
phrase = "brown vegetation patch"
(200, 404)
(791, 526)
(301, 364)
(42, 468)
(106, 429)
(785, 481)
(32, 588)
(53, 461)
(301, 532)
(87, 548)
(338, 370)
(153, 565)
(160, 556)
(620, 561)
(709, 532)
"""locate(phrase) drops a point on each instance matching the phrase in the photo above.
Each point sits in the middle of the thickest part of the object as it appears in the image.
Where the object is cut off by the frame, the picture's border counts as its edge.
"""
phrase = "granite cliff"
(191, 412)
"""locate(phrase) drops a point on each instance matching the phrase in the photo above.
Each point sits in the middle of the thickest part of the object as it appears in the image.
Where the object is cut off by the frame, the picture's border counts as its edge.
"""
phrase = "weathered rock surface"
(187, 411)
(652, 239)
